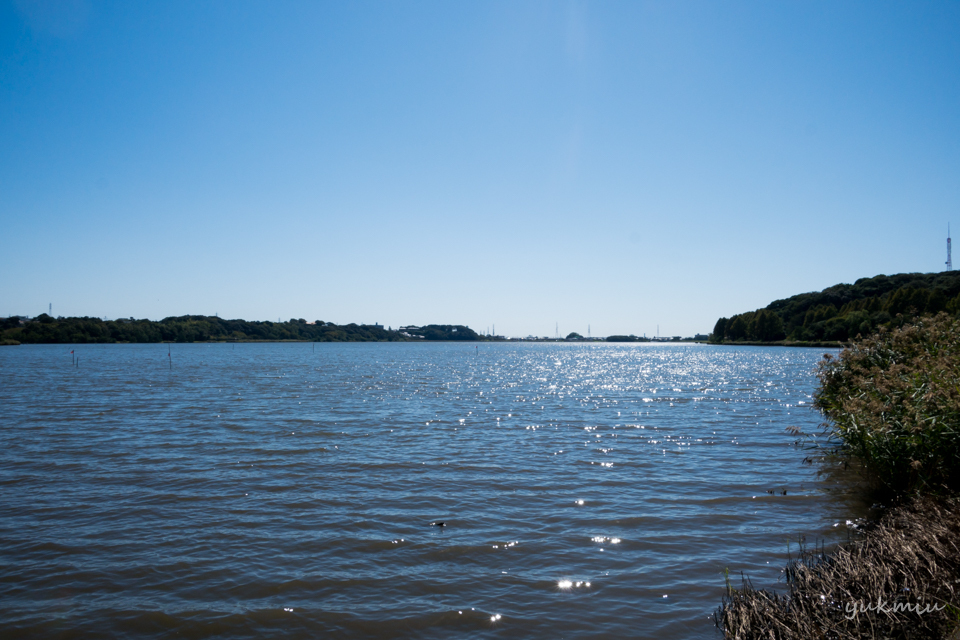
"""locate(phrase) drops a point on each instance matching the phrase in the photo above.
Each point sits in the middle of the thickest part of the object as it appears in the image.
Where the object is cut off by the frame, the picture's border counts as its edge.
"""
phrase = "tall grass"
(898, 581)
(893, 400)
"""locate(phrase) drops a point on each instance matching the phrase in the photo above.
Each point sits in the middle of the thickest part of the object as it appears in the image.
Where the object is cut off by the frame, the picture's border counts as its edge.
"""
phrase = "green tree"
(719, 330)
(736, 328)
(766, 326)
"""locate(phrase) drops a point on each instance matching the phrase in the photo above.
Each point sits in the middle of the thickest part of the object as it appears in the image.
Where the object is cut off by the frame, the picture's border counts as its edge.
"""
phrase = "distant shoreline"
(499, 340)
(784, 343)
(45, 329)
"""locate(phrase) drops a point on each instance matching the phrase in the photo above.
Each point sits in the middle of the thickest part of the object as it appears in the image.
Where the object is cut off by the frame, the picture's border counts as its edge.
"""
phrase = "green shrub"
(894, 402)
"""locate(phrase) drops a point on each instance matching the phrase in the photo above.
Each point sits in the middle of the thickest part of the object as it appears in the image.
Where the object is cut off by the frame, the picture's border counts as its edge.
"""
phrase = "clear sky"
(519, 164)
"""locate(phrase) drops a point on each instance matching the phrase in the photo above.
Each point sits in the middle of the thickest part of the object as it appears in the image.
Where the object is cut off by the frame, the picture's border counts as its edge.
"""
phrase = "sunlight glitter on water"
(155, 491)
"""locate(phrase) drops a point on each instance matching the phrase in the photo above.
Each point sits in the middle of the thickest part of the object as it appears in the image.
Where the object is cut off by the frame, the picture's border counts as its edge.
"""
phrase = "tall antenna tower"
(949, 258)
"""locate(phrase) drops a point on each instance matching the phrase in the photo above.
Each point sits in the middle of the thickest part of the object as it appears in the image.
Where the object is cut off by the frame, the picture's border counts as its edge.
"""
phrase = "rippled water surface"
(288, 490)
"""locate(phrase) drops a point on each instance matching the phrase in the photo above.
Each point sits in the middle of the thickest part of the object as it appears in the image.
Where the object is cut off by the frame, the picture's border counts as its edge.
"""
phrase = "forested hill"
(46, 329)
(842, 311)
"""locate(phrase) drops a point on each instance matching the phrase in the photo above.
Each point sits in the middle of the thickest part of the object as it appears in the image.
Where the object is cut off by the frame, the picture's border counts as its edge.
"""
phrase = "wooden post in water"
(169, 356)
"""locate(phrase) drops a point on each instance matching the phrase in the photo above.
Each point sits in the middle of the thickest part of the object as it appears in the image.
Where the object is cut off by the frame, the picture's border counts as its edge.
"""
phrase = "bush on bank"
(894, 402)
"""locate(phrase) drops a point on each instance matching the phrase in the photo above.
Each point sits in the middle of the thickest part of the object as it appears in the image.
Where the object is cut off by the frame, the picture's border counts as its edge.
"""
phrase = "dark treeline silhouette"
(841, 312)
(443, 332)
(46, 329)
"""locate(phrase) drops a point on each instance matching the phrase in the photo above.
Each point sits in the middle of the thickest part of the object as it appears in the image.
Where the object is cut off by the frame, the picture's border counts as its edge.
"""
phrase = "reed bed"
(893, 400)
(893, 406)
(901, 579)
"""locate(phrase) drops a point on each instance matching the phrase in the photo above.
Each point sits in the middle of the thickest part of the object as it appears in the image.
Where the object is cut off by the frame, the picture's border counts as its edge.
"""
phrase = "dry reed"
(911, 556)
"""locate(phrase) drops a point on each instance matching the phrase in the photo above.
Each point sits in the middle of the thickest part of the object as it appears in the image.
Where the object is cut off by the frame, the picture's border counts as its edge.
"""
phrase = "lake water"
(288, 490)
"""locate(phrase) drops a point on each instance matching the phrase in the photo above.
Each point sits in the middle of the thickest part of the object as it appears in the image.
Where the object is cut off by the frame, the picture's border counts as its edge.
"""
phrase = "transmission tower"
(949, 258)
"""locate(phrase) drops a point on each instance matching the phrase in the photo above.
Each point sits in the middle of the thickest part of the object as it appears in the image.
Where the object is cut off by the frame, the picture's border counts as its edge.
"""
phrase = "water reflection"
(269, 477)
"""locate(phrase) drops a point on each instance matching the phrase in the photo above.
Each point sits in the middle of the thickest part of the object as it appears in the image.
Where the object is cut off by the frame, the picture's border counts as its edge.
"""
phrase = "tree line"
(843, 311)
(47, 329)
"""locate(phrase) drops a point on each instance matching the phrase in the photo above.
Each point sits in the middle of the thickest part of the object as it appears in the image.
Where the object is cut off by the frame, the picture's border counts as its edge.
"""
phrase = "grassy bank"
(900, 580)
(892, 401)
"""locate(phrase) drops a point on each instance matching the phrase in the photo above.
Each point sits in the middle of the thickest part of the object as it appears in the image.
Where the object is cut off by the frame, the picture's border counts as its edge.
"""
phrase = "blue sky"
(618, 164)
